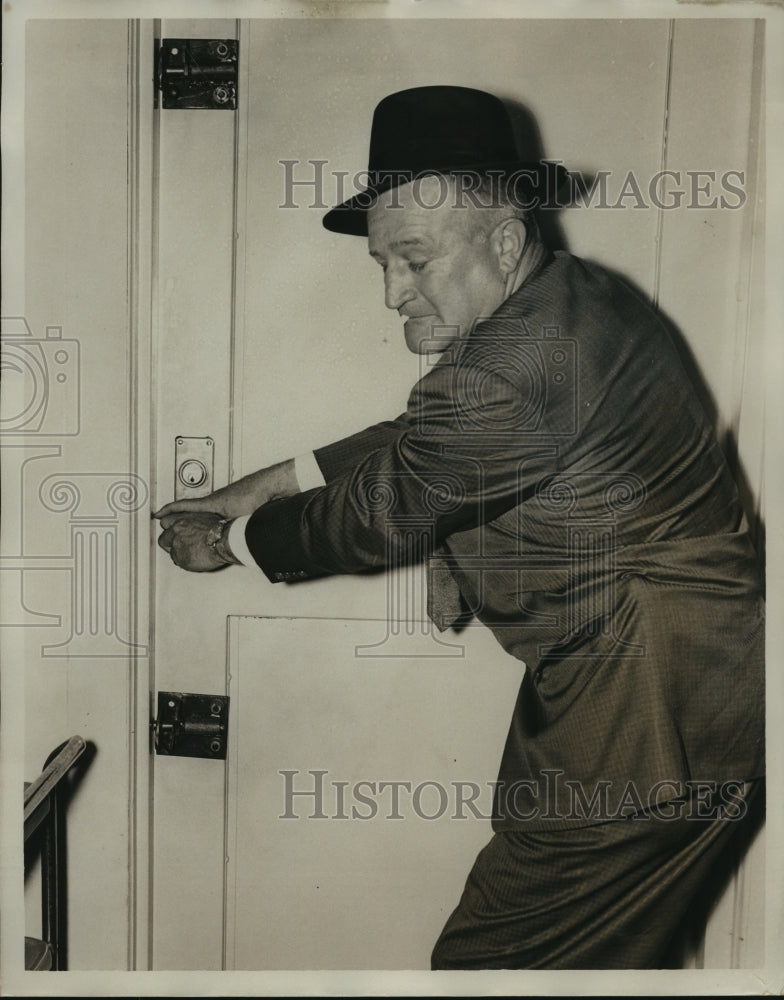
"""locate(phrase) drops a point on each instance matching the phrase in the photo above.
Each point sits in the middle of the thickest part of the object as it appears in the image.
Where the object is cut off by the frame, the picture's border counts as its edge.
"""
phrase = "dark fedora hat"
(442, 130)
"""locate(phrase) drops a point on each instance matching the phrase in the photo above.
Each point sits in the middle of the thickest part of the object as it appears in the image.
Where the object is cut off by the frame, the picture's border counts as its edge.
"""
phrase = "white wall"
(80, 674)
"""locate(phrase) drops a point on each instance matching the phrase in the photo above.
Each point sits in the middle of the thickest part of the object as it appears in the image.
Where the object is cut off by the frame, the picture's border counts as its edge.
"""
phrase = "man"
(577, 504)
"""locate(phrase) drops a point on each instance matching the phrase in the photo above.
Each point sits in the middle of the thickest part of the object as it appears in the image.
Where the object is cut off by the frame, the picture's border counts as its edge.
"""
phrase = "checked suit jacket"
(568, 480)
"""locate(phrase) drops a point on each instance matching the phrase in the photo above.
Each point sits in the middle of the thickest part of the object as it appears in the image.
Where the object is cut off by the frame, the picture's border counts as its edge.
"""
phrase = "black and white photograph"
(391, 493)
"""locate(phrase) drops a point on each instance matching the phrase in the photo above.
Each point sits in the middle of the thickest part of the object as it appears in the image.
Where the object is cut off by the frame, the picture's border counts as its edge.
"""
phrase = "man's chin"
(426, 335)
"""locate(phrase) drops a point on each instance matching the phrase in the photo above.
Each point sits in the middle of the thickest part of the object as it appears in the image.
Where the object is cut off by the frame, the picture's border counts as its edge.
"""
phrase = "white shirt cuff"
(308, 475)
(237, 543)
(308, 472)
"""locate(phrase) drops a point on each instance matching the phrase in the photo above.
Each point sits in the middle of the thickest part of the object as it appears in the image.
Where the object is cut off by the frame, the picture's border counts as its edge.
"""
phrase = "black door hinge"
(191, 725)
(196, 72)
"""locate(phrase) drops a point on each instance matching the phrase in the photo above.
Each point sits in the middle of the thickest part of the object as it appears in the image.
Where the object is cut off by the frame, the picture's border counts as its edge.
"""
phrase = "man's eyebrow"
(415, 241)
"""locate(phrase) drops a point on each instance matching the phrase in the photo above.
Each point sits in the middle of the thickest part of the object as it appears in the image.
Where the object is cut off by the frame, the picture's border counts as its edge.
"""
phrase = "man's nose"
(398, 286)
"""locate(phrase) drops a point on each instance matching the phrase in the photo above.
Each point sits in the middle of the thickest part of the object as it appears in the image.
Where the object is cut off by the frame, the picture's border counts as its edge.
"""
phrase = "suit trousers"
(606, 896)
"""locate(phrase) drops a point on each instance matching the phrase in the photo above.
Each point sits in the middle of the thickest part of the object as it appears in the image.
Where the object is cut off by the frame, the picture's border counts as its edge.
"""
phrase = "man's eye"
(416, 266)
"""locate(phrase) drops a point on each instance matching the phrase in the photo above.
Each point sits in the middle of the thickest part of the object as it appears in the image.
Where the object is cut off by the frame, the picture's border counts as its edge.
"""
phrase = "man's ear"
(508, 240)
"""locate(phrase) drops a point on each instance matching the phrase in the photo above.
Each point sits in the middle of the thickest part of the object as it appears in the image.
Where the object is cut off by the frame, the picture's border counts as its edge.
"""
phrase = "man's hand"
(186, 537)
(243, 496)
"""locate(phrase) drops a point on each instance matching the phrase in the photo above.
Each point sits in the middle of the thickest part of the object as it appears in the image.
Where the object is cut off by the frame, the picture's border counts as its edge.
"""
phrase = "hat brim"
(536, 185)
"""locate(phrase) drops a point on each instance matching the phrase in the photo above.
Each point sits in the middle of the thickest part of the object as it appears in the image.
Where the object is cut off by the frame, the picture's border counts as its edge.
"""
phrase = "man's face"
(440, 268)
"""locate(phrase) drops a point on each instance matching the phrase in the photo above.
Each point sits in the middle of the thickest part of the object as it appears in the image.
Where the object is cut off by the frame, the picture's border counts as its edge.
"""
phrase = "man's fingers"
(175, 507)
(195, 506)
(167, 542)
(169, 519)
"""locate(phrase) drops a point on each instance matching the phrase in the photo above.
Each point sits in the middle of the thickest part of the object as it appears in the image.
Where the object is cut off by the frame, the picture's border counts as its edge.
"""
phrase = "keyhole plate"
(193, 467)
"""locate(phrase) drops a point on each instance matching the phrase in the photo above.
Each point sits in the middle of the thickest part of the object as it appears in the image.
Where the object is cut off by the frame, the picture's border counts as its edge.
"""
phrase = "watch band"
(217, 540)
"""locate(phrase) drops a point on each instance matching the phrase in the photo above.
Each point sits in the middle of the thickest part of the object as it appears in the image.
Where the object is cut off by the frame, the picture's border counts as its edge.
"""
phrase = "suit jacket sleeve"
(458, 459)
(337, 459)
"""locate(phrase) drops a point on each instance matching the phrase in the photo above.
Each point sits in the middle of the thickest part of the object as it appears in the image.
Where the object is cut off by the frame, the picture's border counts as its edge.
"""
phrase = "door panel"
(322, 357)
(350, 877)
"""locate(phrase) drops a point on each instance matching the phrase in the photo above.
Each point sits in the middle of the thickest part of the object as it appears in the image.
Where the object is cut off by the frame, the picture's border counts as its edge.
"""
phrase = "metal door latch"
(196, 72)
(191, 725)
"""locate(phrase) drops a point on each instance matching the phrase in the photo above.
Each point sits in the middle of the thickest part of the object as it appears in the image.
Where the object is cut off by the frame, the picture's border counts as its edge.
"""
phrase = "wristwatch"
(217, 540)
